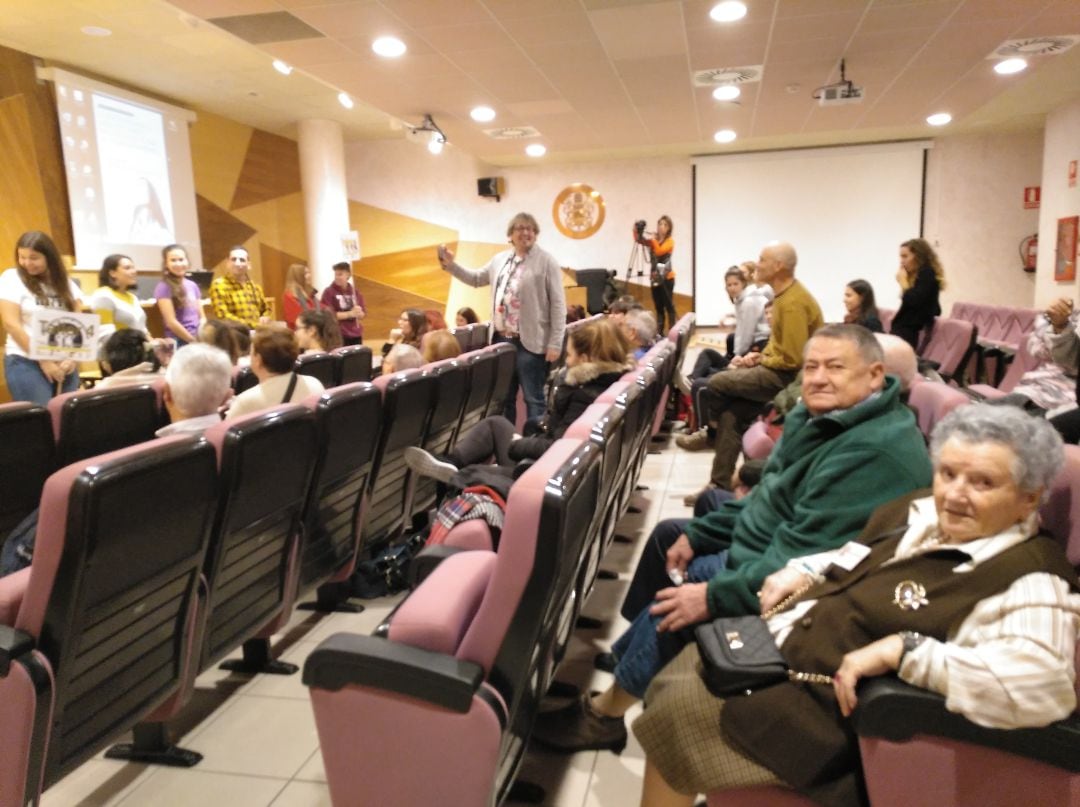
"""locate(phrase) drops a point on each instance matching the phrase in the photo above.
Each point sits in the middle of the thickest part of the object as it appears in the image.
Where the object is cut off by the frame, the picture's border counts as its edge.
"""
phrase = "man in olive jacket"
(848, 447)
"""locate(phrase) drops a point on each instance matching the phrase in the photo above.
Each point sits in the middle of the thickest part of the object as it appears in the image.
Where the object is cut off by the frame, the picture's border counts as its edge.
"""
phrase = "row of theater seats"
(155, 558)
(185, 549)
(343, 365)
(443, 699)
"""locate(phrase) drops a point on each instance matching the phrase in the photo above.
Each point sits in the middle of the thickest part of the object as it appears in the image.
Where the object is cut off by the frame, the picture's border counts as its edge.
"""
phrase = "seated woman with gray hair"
(955, 591)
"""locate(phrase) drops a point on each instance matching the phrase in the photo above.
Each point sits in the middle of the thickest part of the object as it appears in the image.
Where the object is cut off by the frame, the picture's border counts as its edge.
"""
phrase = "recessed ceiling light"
(95, 30)
(536, 149)
(725, 136)
(344, 99)
(726, 92)
(728, 11)
(1009, 66)
(939, 119)
(389, 46)
(282, 67)
(482, 114)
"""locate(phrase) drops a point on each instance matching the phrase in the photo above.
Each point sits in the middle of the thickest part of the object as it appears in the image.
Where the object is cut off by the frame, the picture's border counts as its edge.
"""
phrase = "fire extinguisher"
(1029, 252)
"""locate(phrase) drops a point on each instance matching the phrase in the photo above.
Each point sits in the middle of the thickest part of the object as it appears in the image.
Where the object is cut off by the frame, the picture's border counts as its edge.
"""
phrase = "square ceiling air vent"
(274, 26)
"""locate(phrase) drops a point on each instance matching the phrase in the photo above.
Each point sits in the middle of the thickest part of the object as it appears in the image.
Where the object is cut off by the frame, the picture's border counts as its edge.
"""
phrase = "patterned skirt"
(680, 732)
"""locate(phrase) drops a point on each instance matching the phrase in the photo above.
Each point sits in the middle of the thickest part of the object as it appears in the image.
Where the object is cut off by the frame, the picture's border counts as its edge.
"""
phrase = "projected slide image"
(134, 172)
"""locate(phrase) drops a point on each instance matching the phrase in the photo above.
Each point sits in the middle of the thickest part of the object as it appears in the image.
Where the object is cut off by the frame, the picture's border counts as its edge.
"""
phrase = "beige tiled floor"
(258, 735)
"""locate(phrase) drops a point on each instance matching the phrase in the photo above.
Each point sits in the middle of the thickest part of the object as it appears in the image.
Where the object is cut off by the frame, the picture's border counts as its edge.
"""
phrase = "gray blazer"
(543, 300)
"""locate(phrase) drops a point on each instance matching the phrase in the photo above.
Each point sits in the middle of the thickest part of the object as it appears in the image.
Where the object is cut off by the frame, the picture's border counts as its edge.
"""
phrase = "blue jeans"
(530, 372)
(641, 652)
(26, 382)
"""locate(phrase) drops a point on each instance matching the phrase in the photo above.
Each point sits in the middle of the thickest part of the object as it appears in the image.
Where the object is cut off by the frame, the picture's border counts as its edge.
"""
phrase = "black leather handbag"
(739, 655)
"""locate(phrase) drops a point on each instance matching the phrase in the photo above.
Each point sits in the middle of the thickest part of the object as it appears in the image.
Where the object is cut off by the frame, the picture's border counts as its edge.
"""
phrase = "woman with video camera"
(662, 278)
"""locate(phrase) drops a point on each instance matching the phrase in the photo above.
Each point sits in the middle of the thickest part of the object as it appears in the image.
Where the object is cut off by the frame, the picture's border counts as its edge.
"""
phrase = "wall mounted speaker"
(491, 187)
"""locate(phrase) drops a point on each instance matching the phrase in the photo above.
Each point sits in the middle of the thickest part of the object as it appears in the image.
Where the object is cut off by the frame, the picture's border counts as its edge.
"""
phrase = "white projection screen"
(844, 209)
(127, 159)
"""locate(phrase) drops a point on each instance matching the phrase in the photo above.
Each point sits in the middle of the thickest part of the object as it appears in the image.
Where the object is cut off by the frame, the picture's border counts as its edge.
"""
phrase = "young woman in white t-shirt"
(39, 280)
(114, 301)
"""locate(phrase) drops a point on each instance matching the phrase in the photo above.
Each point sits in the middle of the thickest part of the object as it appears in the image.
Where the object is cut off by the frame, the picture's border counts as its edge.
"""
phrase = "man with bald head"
(738, 394)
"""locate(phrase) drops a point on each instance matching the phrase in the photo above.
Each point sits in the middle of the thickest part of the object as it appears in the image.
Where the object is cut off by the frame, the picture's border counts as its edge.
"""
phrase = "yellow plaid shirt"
(243, 302)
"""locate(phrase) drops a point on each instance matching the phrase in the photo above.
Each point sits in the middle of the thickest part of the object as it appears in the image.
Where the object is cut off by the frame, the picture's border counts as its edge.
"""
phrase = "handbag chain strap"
(783, 605)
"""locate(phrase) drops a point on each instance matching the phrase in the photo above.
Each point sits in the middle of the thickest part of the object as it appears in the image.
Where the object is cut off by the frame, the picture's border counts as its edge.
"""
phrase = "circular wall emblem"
(578, 211)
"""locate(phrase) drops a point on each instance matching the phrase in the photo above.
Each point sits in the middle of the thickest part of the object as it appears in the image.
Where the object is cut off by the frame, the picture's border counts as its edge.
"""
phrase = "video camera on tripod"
(641, 254)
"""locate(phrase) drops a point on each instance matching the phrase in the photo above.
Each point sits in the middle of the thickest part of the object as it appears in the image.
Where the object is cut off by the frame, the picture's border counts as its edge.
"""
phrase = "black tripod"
(641, 258)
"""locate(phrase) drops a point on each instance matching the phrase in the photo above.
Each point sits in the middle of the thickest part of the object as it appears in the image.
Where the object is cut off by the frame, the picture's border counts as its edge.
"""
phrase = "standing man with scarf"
(528, 308)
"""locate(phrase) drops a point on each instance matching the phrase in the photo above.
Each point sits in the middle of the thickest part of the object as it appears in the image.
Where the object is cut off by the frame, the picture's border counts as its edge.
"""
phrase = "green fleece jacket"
(821, 483)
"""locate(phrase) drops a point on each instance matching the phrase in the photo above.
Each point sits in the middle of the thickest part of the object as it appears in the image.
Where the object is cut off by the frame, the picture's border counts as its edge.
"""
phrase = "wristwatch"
(911, 640)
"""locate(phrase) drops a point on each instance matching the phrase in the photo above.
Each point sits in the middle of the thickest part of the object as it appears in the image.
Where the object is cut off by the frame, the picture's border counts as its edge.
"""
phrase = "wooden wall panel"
(17, 77)
(416, 270)
(271, 170)
(22, 198)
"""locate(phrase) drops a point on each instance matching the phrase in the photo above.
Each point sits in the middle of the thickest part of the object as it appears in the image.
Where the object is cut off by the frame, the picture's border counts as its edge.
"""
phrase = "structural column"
(326, 203)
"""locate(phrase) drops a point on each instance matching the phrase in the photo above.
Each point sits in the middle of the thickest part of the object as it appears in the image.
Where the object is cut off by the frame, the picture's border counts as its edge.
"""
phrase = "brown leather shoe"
(577, 727)
(698, 441)
(690, 499)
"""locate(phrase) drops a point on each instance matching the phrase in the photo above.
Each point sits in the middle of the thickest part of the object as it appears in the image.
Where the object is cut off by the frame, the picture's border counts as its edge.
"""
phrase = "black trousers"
(663, 297)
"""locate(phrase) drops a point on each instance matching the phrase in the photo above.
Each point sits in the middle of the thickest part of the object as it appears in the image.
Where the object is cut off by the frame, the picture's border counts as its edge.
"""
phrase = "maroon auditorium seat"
(347, 423)
(505, 364)
(451, 393)
(102, 628)
(444, 706)
(91, 422)
(353, 364)
(322, 366)
(26, 460)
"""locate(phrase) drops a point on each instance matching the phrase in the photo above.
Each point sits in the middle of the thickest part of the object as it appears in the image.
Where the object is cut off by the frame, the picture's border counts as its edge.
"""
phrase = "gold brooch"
(910, 596)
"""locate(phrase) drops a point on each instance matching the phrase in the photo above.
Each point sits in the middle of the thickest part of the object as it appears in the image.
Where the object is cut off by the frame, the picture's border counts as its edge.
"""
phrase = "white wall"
(1061, 145)
(975, 216)
(404, 178)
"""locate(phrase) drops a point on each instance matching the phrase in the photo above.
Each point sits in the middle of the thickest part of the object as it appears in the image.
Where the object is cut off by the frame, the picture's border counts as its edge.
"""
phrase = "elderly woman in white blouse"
(956, 592)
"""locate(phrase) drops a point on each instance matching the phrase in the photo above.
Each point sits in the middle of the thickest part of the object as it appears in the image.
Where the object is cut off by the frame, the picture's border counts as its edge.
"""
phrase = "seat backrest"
(26, 460)
(120, 547)
(886, 316)
(91, 422)
(547, 515)
(463, 334)
(451, 393)
(266, 461)
(932, 401)
(407, 398)
(322, 366)
(1060, 513)
(505, 363)
(483, 365)
(950, 345)
(478, 335)
(1021, 363)
(244, 379)
(353, 364)
(347, 423)
(605, 425)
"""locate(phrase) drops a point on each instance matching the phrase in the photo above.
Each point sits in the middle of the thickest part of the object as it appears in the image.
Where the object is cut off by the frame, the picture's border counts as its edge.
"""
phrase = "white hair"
(402, 357)
(199, 377)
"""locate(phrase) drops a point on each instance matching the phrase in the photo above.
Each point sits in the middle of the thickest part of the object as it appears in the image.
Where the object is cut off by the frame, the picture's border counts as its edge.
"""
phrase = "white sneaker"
(426, 464)
(682, 383)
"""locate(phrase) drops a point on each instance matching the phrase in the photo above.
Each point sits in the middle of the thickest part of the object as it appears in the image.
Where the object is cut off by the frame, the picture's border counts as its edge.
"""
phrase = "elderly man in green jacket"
(849, 446)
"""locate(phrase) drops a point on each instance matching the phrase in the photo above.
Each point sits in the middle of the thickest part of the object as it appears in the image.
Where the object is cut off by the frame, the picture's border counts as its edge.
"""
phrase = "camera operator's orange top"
(663, 249)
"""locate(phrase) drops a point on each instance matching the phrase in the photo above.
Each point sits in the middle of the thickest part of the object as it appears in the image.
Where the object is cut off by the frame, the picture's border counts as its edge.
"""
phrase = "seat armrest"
(348, 659)
(428, 559)
(896, 711)
(13, 644)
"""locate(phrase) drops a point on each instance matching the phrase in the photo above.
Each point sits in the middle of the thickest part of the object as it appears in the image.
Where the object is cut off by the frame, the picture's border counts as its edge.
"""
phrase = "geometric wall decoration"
(271, 170)
(219, 231)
